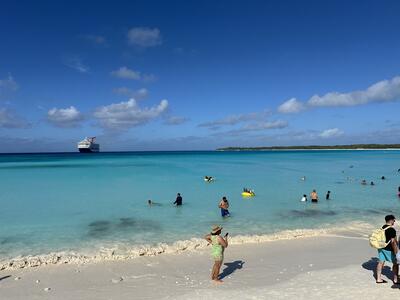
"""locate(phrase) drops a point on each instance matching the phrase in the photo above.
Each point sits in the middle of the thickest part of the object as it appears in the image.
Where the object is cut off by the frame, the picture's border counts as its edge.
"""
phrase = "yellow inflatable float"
(248, 194)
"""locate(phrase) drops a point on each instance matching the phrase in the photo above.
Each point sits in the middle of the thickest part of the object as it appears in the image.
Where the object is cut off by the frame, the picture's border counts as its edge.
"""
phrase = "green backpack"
(377, 239)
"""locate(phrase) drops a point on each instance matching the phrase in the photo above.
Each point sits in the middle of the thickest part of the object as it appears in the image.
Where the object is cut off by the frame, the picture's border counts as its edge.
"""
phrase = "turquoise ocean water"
(81, 202)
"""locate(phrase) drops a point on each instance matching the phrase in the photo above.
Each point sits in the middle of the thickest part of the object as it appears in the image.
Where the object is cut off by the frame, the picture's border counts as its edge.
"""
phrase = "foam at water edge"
(120, 252)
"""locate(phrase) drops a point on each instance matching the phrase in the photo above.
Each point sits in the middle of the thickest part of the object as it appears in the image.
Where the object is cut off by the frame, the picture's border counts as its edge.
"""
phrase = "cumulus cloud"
(126, 73)
(64, 117)
(175, 120)
(124, 115)
(144, 37)
(291, 106)
(234, 119)
(8, 119)
(76, 64)
(382, 91)
(136, 94)
(329, 133)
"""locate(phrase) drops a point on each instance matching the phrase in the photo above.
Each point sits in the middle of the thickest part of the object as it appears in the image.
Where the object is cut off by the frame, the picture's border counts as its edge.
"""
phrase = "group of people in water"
(314, 196)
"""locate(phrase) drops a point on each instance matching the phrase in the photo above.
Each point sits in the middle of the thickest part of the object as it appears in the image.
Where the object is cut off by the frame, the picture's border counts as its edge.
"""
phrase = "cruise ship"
(88, 145)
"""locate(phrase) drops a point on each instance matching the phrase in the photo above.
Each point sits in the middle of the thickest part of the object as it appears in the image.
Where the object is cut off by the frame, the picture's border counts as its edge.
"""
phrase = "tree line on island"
(314, 147)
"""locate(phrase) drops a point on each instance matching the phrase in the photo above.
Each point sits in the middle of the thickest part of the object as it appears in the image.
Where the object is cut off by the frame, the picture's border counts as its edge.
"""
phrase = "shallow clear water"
(52, 202)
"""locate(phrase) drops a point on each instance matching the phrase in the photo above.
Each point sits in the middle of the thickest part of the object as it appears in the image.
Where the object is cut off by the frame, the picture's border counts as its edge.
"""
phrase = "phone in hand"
(226, 234)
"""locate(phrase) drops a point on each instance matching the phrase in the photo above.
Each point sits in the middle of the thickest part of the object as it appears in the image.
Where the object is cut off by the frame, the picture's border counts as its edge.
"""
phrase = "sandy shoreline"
(330, 266)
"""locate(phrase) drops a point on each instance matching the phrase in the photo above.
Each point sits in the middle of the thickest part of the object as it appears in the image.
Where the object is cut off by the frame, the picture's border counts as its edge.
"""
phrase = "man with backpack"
(388, 253)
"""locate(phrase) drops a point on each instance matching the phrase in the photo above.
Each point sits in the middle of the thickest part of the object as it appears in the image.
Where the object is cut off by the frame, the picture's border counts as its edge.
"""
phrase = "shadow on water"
(231, 268)
(5, 277)
(371, 266)
(308, 213)
(102, 228)
(99, 228)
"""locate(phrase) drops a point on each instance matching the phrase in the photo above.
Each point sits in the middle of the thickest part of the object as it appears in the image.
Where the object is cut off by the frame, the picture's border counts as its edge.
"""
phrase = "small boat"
(88, 145)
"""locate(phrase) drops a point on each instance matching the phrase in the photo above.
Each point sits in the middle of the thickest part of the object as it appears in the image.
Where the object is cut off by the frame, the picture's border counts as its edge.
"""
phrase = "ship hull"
(87, 150)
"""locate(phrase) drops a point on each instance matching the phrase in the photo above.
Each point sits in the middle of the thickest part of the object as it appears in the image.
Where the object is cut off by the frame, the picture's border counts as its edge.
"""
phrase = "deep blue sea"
(76, 202)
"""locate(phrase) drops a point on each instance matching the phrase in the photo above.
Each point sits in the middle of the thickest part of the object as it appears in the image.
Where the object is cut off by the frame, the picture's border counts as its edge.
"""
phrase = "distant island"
(315, 147)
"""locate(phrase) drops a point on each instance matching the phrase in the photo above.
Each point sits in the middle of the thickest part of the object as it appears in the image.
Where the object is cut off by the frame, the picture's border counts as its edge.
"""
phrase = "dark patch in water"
(339, 182)
(99, 228)
(309, 213)
(126, 222)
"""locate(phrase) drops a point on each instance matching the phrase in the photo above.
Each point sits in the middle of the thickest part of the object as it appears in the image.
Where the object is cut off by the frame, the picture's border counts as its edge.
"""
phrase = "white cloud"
(234, 119)
(265, 125)
(64, 117)
(136, 94)
(77, 64)
(382, 91)
(175, 120)
(333, 132)
(128, 114)
(8, 119)
(291, 106)
(144, 37)
(126, 73)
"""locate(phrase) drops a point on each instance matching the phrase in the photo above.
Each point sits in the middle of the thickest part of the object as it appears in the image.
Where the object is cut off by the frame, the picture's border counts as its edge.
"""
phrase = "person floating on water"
(178, 200)
(248, 192)
(208, 178)
(219, 244)
(152, 203)
(304, 199)
(303, 178)
(314, 196)
(328, 194)
(224, 205)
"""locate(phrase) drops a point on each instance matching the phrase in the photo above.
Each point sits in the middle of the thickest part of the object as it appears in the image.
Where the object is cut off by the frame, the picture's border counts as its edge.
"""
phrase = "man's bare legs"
(215, 271)
(395, 272)
(379, 268)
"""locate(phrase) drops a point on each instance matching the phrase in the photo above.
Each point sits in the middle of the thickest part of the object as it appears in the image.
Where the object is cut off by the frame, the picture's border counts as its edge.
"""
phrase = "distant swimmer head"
(149, 202)
(305, 196)
(224, 199)
(383, 178)
(179, 194)
(314, 191)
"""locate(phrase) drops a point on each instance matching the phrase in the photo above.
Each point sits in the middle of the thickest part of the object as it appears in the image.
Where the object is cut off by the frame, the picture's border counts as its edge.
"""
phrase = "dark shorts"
(224, 212)
(314, 200)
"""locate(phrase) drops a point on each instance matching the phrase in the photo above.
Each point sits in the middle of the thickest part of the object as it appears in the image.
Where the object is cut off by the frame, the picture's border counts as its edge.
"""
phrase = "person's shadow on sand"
(230, 268)
(371, 266)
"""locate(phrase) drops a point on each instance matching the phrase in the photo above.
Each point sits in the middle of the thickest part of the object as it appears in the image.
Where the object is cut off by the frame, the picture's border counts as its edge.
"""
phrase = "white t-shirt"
(304, 199)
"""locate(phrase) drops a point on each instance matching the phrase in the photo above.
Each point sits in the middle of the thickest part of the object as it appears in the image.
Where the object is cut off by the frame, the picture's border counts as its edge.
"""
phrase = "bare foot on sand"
(218, 281)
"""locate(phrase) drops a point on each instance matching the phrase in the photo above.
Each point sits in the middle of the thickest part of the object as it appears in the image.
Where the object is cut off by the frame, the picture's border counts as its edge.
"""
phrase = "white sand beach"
(332, 267)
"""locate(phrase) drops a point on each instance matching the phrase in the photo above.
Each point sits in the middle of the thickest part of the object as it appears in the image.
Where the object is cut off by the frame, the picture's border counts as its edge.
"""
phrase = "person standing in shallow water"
(224, 205)
(328, 194)
(314, 196)
(218, 244)
(178, 200)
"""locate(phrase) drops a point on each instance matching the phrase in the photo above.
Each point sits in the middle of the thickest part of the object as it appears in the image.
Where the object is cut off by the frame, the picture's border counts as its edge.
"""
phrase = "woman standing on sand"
(219, 244)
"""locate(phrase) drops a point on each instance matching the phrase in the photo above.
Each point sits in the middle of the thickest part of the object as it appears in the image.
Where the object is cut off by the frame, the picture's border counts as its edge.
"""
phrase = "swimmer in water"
(304, 199)
(224, 205)
(372, 183)
(383, 178)
(303, 178)
(363, 182)
(328, 194)
(314, 196)
(152, 203)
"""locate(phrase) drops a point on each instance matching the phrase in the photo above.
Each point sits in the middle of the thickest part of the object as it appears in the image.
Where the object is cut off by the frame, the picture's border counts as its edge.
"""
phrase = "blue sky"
(181, 75)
